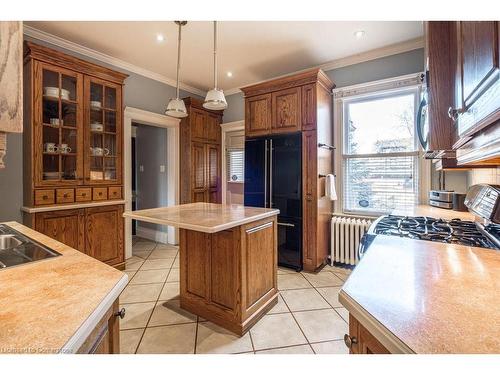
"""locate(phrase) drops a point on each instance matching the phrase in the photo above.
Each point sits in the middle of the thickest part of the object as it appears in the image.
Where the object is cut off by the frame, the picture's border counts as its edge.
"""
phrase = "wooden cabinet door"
(213, 128)
(258, 115)
(478, 81)
(104, 131)
(198, 125)
(310, 201)
(57, 121)
(308, 108)
(286, 116)
(66, 226)
(104, 233)
(213, 173)
(198, 172)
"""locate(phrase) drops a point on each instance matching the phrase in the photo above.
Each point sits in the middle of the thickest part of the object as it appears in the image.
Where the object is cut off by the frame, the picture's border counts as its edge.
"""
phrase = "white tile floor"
(308, 318)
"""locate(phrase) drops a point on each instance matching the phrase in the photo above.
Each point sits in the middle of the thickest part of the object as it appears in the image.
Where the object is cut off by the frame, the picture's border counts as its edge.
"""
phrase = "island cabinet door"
(259, 260)
(66, 226)
(361, 341)
(104, 234)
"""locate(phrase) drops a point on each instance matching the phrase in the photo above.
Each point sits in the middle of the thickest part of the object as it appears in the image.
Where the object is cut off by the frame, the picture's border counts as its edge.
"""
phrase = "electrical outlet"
(141, 168)
(162, 169)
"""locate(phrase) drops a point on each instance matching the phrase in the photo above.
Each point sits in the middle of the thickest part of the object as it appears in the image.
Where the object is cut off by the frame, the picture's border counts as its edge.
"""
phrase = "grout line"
(251, 339)
(196, 334)
(296, 322)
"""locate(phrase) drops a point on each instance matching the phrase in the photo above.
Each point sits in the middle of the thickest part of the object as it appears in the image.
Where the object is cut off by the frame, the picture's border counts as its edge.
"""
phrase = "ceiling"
(252, 50)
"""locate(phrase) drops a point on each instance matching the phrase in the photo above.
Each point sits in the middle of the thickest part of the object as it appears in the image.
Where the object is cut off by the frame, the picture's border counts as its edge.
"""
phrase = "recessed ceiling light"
(160, 38)
(359, 34)
(229, 74)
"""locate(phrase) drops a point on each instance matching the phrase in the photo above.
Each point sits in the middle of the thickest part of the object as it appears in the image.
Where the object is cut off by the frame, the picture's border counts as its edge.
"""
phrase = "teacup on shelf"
(56, 122)
(64, 148)
(50, 148)
(96, 127)
(99, 151)
(95, 104)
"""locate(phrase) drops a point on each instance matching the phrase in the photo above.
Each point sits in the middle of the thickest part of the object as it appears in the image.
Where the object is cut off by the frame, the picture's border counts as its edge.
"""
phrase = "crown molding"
(373, 54)
(85, 51)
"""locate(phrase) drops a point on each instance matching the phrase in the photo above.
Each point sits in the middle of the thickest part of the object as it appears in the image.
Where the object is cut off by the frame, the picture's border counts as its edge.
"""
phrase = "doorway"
(171, 141)
(233, 162)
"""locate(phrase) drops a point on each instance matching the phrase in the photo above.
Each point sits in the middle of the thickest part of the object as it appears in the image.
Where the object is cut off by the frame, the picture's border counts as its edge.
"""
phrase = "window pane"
(380, 125)
(380, 184)
(235, 165)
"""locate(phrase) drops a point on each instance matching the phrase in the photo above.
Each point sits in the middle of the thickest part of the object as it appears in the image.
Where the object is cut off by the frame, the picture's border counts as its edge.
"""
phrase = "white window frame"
(369, 91)
(228, 162)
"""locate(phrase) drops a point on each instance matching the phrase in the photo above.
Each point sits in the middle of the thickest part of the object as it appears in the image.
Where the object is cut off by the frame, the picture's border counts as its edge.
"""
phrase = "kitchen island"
(228, 260)
(63, 304)
(414, 296)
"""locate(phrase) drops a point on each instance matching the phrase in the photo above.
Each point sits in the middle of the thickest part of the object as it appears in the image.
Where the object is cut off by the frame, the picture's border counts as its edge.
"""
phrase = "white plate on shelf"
(53, 92)
(95, 104)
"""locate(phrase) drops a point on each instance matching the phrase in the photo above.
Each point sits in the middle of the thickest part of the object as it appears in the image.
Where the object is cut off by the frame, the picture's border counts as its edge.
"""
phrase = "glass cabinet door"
(59, 127)
(104, 132)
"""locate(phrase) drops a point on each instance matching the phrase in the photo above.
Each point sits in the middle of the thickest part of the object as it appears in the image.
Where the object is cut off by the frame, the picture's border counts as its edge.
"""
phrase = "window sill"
(235, 182)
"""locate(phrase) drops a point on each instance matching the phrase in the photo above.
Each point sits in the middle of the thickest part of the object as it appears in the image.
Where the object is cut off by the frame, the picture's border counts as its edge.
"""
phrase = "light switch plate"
(141, 168)
(162, 169)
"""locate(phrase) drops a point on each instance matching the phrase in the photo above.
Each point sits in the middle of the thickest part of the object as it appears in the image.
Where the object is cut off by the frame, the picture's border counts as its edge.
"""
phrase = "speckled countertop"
(51, 305)
(426, 297)
(203, 217)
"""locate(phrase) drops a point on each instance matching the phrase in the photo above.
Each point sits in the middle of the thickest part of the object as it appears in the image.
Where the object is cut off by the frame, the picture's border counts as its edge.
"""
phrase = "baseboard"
(151, 234)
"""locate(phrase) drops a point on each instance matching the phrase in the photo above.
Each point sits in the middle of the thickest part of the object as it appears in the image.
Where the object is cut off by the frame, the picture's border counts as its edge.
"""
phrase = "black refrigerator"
(273, 179)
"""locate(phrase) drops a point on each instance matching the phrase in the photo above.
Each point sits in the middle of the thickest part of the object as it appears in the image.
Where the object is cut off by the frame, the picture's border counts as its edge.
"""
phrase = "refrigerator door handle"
(286, 225)
(265, 175)
(271, 173)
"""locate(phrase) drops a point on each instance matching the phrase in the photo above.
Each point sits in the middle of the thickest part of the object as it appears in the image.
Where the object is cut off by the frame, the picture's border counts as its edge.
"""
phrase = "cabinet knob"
(350, 341)
(65, 195)
(45, 197)
(454, 113)
(120, 313)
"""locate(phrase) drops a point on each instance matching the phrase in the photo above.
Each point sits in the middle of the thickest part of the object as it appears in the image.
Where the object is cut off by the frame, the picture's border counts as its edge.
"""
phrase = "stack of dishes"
(54, 92)
(50, 175)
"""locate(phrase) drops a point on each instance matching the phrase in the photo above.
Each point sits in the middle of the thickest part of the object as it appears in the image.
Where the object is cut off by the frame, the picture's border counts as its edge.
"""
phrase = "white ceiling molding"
(373, 54)
(78, 48)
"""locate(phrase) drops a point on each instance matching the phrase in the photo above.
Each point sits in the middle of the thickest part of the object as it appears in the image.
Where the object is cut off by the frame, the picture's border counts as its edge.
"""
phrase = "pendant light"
(215, 98)
(176, 107)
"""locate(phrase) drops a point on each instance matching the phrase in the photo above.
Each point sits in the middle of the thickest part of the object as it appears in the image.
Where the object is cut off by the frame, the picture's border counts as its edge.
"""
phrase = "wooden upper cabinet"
(258, 116)
(477, 84)
(286, 115)
(479, 44)
(213, 128)
(198, 125)
(309, 107)
(104, 233)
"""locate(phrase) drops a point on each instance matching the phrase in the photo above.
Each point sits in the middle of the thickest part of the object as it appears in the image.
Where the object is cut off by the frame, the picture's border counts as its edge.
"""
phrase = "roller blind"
(380, 153)
(235, 165)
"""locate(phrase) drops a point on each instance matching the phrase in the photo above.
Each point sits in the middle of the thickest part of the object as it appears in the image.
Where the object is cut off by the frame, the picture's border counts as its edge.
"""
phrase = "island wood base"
(230, 277)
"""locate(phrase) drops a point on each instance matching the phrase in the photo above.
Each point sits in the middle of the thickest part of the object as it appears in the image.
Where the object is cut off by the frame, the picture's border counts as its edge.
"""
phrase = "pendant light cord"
(178, 58)
(215, 54)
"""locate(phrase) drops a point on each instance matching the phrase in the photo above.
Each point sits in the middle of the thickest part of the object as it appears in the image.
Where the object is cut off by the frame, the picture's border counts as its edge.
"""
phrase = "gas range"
(455, 231)
(482, 200)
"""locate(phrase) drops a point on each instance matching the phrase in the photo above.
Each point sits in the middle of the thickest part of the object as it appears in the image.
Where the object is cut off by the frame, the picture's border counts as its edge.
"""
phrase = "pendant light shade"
(176, 107)
(215, 98)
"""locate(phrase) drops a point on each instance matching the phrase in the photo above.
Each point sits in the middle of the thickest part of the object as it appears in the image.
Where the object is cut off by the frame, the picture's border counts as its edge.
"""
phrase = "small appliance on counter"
(441, 198)
(482, 200)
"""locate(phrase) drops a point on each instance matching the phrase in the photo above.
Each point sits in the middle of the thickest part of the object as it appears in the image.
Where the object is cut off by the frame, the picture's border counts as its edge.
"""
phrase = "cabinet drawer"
(65, 195)
(100, 194)
(83, 194)
(115, 192)
(44, 197)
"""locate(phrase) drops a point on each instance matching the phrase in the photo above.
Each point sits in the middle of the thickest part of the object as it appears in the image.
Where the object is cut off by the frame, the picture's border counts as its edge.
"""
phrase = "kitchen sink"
(8, 241)
(17, 249)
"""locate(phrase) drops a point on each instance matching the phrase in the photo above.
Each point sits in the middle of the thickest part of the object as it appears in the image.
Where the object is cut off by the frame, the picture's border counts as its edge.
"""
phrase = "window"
(235, 165)
(380, 153)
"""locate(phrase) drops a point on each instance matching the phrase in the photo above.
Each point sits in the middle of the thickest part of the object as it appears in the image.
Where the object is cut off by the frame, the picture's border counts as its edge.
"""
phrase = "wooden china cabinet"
(73, 137)
(200, 154)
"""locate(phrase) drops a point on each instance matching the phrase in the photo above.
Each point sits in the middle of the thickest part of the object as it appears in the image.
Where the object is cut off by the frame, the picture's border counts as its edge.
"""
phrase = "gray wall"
(385, 67)
(140, 92)
(151, 184)
(11, 180)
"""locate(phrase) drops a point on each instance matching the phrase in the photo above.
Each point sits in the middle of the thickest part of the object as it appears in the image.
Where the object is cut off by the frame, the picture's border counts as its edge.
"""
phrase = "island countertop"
(425, 297)
(202, 217)
(52, 305)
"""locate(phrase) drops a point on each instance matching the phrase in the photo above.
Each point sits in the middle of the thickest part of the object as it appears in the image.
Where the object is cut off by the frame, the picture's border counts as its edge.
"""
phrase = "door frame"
(227, 127)
(132, 114)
